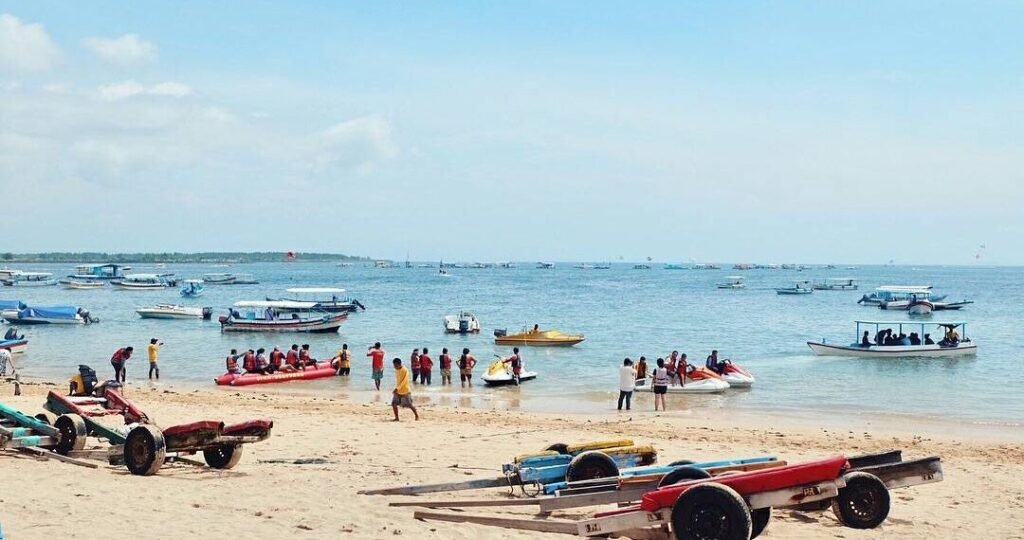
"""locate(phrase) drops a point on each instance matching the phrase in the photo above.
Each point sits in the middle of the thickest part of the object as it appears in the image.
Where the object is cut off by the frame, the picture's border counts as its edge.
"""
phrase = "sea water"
(623, 313)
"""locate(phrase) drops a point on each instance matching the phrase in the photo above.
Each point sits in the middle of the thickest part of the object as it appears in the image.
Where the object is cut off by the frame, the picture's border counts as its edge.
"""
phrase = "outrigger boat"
(82, 284)
(174, 311)
(537, 338)
(837, 284)
(334, 304)
(957, 347)
(732, 282)
(29, 279)
(463, 323)
(800, 287)
(266, 316)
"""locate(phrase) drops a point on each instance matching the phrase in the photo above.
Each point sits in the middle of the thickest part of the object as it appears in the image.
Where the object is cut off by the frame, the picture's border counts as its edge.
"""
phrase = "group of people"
(119, 360)
(670, 372)
(421, 366)
(887, 337)
(258, 361)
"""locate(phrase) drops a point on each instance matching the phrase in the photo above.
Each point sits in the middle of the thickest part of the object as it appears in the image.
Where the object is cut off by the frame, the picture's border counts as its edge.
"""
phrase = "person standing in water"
(414, 364)
(154, 352)
(446, 367)
(377, 355)
(466, 365)
(426, 366)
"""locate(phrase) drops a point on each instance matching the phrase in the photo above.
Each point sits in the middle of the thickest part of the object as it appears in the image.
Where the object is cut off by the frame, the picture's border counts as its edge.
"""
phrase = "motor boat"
(245, 279)
(463, 323)
(269, 316)
(698, 381)
(888, 294)
(48, 315)
(732, 282)
(29, 279)
(192, 288)
(537, 337)
(219, 278)
(837, 284)
(943, 306)
(174, 311)
(319, 296)
(736, 375)
(800, 287)
(499, 373)
(141, 282)
(920, 307)
(545, 265)
(82, 284)
(641, 267)
(949, 346)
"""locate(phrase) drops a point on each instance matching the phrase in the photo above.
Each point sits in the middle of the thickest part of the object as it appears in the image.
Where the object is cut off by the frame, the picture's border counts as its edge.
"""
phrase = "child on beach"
(426, 365)
(377, 365)
(446, 367)
(402, 394)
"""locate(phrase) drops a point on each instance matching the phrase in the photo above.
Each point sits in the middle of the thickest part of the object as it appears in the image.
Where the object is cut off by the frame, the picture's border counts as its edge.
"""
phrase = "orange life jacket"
(232, 363)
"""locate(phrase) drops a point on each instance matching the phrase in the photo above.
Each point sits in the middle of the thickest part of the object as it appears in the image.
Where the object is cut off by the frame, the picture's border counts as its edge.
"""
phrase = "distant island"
(177, 257)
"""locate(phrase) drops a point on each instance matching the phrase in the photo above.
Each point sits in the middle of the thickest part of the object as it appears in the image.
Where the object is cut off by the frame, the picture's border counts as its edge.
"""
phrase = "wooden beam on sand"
(36, 451)
(468, 504)
(437, 488)
(548, 526)
(551, 504)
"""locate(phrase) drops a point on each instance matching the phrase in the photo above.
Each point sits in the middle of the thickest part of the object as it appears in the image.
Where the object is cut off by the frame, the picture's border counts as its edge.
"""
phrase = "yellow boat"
(537, 338)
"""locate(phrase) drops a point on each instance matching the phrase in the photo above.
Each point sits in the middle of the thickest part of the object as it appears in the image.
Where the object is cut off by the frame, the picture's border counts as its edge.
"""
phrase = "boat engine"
(463, 325)
(500, 332)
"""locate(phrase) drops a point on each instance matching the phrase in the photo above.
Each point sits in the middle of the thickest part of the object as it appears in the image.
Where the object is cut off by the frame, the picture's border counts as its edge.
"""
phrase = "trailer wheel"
(680, 463)
(759, 521)
(145, 450)
(863, 503)
(225, 456)
(711, 512)
(561, 448)
(73, 433)
(47, 418)
(683, 474)
(590, 466)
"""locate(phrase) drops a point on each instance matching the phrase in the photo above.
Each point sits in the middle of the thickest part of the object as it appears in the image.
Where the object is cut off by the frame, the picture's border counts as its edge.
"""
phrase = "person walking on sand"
(118, 360)
(466, 365)
(660, 384)
(426, 365)
(414, 363)
(446, 367)
(627, 382)
(377, 355)
(401, 396)
(154, 352)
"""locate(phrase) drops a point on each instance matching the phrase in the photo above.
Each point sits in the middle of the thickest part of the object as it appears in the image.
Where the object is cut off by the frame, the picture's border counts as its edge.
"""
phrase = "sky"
(847, 132)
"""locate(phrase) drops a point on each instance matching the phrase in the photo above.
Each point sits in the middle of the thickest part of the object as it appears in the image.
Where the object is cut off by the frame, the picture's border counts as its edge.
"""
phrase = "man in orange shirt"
(426, 364)
(377, 354)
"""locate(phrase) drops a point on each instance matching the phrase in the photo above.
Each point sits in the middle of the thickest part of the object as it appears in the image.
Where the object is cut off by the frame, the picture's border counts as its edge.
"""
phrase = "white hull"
(730, 286)
(793, 291)
(170, 312)
(39, 283)
(921, 309)
(506, 378)
(130, 287)
(702, 386)
(892, 351)
(451, 325)
(82, 286)
(12, 317)
(738, 380)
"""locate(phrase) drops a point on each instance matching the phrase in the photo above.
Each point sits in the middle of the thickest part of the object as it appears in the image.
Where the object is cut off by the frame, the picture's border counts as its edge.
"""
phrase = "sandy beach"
(981, 495)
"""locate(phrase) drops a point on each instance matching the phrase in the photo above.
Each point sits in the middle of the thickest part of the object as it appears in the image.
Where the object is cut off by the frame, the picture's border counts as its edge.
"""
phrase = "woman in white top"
(661, 382)
(627, 382)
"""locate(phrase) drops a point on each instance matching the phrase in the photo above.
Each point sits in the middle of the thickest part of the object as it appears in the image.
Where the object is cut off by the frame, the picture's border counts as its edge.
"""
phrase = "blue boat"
(193, 288)
(99, 271)
(48, 315)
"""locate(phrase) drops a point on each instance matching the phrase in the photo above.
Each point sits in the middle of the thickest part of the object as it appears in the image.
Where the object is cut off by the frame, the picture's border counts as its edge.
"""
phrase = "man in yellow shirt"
(154, 352)
(402, 394)
(342, 361)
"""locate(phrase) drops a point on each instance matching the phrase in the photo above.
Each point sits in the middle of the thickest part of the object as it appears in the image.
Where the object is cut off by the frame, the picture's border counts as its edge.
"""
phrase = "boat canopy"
(196, 281)
(914, 323)
(49, 312)
(12, 304)
(280, 304)
(315, 290)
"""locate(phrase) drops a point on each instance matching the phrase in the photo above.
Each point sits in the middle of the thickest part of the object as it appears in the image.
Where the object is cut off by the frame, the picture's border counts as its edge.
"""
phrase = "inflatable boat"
(322, 370)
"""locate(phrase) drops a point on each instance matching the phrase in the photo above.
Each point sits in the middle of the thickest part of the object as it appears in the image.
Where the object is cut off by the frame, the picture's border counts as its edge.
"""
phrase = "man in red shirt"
(414, 365)
(446, 367)
(377, 365)
(426, 365)
(117, 361)
(292, 357)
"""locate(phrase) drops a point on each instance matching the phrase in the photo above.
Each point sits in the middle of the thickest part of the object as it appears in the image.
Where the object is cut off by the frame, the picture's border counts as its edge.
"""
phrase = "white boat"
(192, 288)
(506, 264)
(603, 266)
(837, 284)
(463, 323)
(641, 267)
(245, 279)
(82, 284)
(141, 282)
(583, 266)
(800, 287)
(269, 316)
(920, 307)
(545, 265)
(673, 266)
(174, 311)
(100, 271)
(698, 381)
(894, 293)
(958, 347)
(225, 278)
(732, 282)
(17, 278)
(499, 373)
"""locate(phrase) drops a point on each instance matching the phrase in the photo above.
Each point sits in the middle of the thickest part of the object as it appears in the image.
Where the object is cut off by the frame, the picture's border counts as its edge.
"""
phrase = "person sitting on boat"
(903, 340)
(249, 361)
(516, 362)
(536, 329)
(914, 339)
(305, 358)
(865, 341)
(641, 369)
(262, 365)
(880, 337)
(683, 368)
(291, 358)
(231, 363)
(713, 364)
(928, 339)
(952, 337)
(888, 339)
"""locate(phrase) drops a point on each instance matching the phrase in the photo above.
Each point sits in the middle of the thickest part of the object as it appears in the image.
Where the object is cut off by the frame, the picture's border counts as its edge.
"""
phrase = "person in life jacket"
(276, 359)
(516, 362)
(231, 362)
(292, 357)
(262, 365)
(249, 361)
(305, 358)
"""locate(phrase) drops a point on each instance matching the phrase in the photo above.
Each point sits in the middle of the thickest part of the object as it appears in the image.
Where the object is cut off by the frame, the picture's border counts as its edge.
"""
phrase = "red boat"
(321, 370)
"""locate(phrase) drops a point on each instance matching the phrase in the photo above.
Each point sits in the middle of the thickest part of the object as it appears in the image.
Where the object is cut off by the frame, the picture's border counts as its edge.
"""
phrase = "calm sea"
(623, 312)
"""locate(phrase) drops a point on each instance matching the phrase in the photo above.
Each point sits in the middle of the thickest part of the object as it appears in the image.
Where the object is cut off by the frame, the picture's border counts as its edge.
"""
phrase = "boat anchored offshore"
(99, 271)
(697, 381)
(837, 284)
(463, 323)
(319, 296)
(82, 284)
(17, 278)
(192, 288)
(537, 338)
(887, 294)
(800, 287)
(499, 373)
(917, 344)
(48, 315)
(141, 282)
(732, 282)
(266, 316)
(174, 311)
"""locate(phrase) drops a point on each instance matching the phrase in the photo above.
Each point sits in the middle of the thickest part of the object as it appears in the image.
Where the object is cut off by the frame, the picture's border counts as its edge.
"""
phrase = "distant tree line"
(175, 257)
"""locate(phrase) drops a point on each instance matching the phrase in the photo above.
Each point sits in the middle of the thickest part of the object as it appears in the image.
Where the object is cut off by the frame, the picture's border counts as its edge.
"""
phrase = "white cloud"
(25, 47)
(131, 88)
(125, 50)
(354, 143)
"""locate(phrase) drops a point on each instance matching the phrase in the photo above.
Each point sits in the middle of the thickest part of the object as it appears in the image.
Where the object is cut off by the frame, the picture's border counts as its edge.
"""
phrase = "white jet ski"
(499, 373)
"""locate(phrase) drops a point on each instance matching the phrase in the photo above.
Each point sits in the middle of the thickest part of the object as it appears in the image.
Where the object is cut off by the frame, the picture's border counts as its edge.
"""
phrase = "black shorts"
(659, 389)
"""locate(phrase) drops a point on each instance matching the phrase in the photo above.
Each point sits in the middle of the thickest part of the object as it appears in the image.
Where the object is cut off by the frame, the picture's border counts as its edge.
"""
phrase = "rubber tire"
(47, 418)
(73, 433)
(759, 521)
(591, 466)
(683, 474)
(711, 511)
(225, 456)
(863, 503)
(680, 463)
(561, 448)
(145, 450)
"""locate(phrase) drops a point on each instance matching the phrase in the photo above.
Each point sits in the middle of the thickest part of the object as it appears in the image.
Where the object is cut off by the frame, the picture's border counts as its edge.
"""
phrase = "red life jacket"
(249, 362)
(426, 364)
(446, 361)
(231, 363)
(276, 357)
(414, 361)
(292, 358)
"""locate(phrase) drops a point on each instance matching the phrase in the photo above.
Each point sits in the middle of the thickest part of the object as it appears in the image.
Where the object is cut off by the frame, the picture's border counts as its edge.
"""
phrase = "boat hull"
(702, 386)
(176, 312)
(39, 283)
(322, 370)
(15, 346)
(506, 379)
(893, 351)
(137, 287)
(793, 291)
(315, 326)
(515, 341)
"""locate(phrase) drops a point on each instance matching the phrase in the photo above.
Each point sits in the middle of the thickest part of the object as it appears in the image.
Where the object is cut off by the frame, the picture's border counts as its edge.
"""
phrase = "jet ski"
(698, 381)
(736, 376)
(499, 373)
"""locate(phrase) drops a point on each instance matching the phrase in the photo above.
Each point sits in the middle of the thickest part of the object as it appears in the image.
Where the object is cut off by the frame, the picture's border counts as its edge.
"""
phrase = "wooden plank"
(53, 455)
(438, 488)
(549, 505)
(549, 526)
(622, 522)
(468, 504)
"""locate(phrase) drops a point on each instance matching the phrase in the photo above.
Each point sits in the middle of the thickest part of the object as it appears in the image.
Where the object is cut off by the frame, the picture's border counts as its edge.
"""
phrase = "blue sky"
(705, 131)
